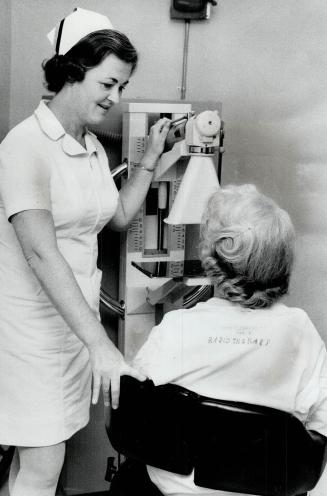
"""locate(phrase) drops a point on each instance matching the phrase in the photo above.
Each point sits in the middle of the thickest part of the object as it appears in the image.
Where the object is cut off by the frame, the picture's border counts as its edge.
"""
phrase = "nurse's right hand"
(108, 365)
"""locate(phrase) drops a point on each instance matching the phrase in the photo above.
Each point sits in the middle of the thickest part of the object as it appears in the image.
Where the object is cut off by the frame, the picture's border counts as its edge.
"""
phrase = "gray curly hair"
(247, 246)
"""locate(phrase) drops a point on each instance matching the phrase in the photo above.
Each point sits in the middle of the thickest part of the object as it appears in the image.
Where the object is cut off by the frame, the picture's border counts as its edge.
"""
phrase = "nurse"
(56, 194)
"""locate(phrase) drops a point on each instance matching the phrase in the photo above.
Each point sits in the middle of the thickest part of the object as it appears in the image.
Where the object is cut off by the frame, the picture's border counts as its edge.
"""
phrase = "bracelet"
(144, 168)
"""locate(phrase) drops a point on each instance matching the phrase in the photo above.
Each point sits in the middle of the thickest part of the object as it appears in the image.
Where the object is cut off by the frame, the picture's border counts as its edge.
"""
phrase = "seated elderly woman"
(243, 344)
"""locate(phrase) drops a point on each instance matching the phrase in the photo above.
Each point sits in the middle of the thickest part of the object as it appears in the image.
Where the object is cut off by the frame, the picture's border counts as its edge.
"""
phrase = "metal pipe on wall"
(185, 56)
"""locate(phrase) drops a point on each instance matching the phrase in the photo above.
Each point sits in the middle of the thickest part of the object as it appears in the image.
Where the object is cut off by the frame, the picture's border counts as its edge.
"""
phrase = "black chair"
(231, 446)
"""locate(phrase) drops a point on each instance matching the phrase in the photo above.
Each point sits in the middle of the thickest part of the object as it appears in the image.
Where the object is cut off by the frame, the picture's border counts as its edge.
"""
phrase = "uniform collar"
(50, 125)
(91, 142)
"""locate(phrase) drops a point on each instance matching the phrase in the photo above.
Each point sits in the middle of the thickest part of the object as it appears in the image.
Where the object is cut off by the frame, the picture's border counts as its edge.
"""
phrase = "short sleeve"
(160, 358)
(317, 418)
(312, 396)
(24, 176)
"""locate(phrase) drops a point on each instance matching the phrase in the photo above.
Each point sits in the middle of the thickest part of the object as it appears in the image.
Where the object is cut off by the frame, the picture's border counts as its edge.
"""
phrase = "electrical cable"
(108, 136)
(196, 294)
(114, 306)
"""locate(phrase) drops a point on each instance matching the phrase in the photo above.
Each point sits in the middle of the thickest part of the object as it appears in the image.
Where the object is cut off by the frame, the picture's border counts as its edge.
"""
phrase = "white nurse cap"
(74, 27)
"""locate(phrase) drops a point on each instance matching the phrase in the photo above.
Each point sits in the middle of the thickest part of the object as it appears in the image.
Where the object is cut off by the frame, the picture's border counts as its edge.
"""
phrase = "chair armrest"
(152, 425)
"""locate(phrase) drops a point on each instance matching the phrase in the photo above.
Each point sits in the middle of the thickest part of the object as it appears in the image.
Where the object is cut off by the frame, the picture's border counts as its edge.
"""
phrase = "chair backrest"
(231, 446)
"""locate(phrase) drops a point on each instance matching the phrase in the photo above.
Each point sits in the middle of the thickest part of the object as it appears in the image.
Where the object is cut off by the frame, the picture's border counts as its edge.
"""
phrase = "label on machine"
(136, 230)
(135, 234)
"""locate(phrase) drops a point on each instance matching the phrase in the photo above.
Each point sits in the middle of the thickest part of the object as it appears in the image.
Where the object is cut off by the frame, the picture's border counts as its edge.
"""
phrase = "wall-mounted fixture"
(191, 9)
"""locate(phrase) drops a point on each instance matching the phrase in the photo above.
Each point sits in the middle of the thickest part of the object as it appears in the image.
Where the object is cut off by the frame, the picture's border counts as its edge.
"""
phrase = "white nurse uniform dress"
(45, 376)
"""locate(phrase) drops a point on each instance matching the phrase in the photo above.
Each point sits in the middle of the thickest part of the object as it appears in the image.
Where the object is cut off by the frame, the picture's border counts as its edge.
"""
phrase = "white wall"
(266, 61)
(5, 22)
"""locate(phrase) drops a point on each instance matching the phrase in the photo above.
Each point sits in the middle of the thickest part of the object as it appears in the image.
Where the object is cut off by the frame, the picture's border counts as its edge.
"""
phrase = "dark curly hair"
(247, 246)
(86, 54)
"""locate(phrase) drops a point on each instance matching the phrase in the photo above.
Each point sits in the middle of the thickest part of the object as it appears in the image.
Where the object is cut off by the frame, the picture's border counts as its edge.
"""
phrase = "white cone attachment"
(200, 181)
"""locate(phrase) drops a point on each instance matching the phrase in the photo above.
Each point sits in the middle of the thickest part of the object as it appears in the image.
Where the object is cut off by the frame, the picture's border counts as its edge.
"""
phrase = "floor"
(4, 492)
(320, 489)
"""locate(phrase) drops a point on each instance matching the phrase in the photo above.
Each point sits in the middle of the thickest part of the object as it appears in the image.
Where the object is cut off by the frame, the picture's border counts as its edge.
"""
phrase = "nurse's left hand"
(157, 138)
(108, 365)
